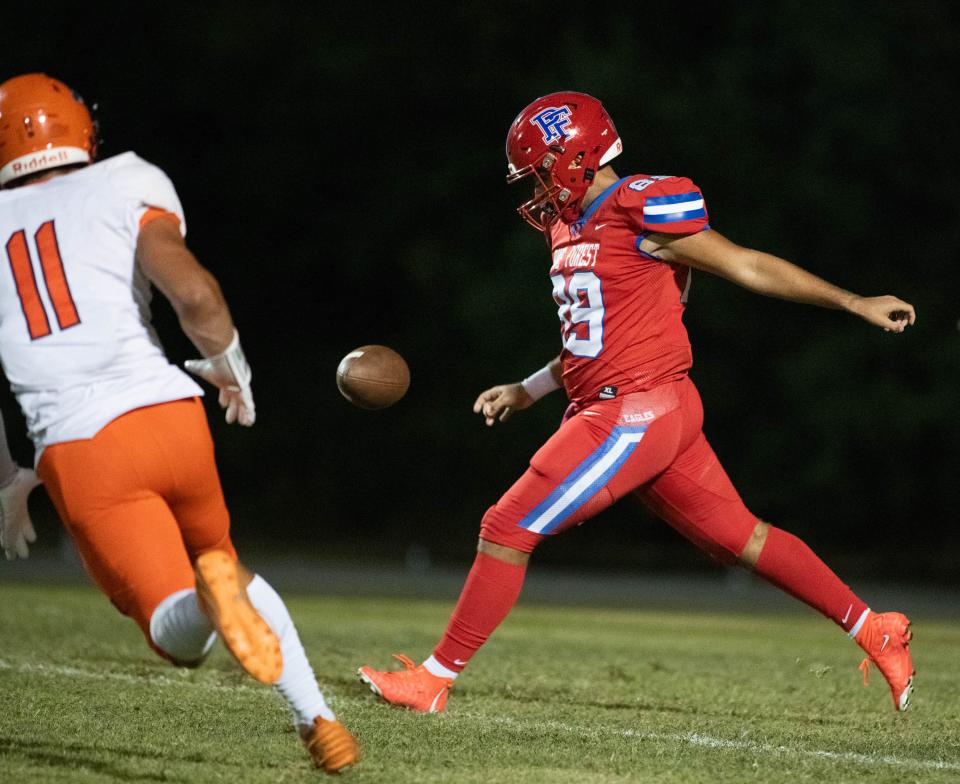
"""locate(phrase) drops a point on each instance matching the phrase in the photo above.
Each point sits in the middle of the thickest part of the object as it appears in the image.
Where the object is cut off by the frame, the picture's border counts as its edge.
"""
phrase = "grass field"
(559, 695)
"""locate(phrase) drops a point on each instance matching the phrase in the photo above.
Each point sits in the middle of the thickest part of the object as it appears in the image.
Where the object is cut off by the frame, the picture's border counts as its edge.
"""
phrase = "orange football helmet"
(43, 124)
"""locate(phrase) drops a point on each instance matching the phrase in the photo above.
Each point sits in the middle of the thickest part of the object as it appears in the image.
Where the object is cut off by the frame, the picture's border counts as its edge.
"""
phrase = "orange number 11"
(54, 278)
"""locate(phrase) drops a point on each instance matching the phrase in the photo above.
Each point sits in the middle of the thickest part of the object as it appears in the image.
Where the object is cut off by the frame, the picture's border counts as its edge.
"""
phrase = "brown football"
(373, 377)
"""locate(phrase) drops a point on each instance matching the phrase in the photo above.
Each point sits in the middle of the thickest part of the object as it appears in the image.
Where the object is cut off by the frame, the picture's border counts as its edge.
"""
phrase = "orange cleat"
(886, 639)
(245, 633)
(413, 687)
(332, 748)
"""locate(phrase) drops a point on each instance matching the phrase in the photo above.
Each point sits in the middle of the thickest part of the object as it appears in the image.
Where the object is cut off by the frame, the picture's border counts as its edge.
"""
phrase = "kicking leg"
(785, 561)
(697, 498)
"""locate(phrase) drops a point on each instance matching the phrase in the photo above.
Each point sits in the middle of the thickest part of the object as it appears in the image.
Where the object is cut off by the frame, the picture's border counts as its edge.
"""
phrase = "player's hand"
(891, 313)
(231, 374)
(238, 403)
(499, 403)
(16, 528)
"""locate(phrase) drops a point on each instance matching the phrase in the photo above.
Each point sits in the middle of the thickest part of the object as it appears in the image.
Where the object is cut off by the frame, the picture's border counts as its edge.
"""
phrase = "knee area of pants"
(727, 547)
(725, 555)
(755, 543)
(750, 543)
(498, 528)
(491, 522)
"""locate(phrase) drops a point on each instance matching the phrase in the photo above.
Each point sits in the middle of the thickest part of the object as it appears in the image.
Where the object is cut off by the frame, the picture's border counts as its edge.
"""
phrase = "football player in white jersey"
(121, 436)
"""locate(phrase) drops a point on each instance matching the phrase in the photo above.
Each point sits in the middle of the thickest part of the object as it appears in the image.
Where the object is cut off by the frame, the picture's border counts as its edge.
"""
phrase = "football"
(373, 377)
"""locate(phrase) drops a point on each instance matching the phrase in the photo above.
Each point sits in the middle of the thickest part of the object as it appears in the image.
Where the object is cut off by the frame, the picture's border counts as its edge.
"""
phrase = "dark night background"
(343, 176)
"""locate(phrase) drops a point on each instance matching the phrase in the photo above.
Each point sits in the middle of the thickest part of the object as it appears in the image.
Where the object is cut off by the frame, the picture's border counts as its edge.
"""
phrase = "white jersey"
(75, 337)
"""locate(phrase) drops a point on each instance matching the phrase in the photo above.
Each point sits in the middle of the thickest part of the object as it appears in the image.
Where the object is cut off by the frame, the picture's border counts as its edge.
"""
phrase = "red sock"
(793, 567)
(491, 590)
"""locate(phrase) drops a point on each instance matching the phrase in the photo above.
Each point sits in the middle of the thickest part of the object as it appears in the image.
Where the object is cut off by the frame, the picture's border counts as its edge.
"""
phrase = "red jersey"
(620, 308)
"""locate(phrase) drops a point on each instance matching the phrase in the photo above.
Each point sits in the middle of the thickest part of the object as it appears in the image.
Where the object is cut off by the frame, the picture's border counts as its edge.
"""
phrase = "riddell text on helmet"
(44, 160)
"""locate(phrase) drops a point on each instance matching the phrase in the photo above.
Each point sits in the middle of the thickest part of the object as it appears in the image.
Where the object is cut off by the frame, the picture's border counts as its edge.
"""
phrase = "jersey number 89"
(580, 301)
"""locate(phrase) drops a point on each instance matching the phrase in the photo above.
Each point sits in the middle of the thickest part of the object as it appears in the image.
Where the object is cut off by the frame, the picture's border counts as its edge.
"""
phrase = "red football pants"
(647, 443)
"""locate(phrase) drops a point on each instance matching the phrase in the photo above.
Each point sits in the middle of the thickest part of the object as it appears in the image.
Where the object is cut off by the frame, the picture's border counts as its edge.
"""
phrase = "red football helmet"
(43, 124)
(561, 139)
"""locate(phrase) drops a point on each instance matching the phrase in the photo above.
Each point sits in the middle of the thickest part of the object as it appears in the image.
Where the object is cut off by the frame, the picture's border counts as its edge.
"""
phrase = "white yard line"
(708, 742)
(688, 738)
(696, 739)
(152, 679)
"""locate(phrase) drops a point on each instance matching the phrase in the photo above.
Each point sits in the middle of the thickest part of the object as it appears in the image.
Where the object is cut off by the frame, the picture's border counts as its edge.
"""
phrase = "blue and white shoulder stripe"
(674, 208)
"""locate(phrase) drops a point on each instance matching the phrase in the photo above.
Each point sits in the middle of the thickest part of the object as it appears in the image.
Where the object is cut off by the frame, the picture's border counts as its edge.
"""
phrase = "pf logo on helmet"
(551, 122)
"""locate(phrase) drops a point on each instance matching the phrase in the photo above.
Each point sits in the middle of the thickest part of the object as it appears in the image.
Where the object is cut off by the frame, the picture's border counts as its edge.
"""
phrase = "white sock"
(297, 683)
(434, 667)
(181, 629)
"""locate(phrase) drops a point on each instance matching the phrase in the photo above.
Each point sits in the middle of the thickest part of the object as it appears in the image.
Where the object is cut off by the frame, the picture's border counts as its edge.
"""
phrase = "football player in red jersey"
(622, 253)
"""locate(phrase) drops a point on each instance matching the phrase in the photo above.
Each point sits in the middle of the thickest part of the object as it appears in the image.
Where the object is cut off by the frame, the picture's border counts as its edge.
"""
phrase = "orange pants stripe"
(141, 500)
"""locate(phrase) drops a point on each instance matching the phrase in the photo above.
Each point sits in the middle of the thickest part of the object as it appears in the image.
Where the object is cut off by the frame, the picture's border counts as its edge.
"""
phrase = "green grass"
(559, 695)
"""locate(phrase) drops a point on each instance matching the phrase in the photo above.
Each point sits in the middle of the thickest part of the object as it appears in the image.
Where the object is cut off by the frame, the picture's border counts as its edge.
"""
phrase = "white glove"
(231, 374)
(16, 529)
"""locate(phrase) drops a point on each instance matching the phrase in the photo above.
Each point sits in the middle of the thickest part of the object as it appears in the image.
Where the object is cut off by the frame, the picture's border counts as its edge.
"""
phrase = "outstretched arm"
(204, 317)
(767, 274)
(192, 290)
(499, 403)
